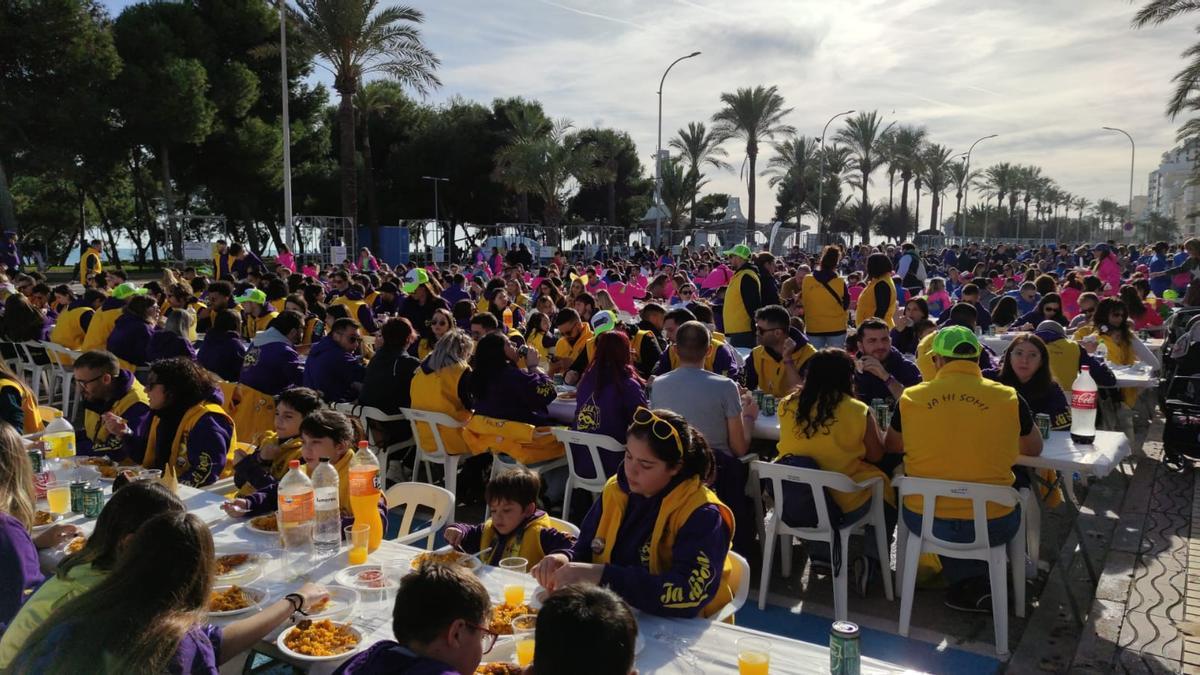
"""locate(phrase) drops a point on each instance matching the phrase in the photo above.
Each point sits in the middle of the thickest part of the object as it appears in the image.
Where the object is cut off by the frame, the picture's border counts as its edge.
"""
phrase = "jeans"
(819, 550)
(822, 341)
(1000, 531)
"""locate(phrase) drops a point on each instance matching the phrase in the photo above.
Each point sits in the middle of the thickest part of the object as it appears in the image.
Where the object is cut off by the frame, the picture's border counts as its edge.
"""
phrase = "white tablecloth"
(998, 343)
(672, 645)
(1136, 376)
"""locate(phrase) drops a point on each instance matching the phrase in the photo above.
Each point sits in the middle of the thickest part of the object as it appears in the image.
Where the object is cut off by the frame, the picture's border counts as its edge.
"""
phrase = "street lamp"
(658, 155)
(1132, 152)
(966, 183)
(288, 229)
(436, 180)
(821, 179)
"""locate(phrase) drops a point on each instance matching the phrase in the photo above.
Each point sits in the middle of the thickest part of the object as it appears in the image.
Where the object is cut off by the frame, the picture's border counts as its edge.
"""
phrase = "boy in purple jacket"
(272, 363)
(517, 528)
(440, 623)
(334, 367)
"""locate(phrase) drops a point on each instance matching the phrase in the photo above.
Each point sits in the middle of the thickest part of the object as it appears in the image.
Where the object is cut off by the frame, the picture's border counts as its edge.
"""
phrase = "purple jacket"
(383, 307)
(223, 353)
(724, 363)
(130, 339)
(206, 444)
(869, 387)
(608, 411)
(518, 395)
(167, 345)
(333, 371)
(195, 655)
(20, 575)
(453, 294)
(626, 573)
(553, 540)
(271, 364)
(388, 657)
(134, 415)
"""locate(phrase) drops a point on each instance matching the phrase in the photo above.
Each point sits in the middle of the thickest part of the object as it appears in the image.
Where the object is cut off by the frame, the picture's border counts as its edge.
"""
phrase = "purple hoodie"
(271, 364)
(222, 353)
(165, 344)
(333, 371)
(20, 575)
(195, 655)
(130, 339)
(388, 657)
(518, 395)
(608, 411)
(207, 443)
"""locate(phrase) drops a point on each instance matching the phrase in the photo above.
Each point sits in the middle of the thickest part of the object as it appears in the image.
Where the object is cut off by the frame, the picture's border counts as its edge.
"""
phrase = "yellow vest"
(32, 416)
(960, 427)
(100, 328)
(736, 314)
(251, 326)
(866, 303)
(438, 392)
(311, 324)
(527, 546)
(523, 442)
(68, 328)
(1064, 362)
(823, 313)
(710, 357)
(90, 258)
(288, 450)
(352, 307)
(563, 349)
(674, 512)
(93, 423)
(178, 458)
(770, 371)
(1119, 354)
(253, 412)
(925, 358)
(538, 341)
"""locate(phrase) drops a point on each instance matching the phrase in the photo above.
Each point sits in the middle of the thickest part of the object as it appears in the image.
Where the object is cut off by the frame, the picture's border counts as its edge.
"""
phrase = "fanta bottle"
(365, 485)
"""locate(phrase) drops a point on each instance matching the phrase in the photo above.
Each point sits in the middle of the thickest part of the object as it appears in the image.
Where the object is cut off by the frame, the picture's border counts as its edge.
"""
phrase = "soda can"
(77, 488)
(769, 405)
(1144, 335)
(1043, 424)
(845, 655)
(883, 412)
(37, 458)
(93, 501)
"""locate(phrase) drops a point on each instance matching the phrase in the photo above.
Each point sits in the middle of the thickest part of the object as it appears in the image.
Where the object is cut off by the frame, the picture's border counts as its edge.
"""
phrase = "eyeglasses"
(661, 428)
(83, 384)
(764, 331)
(439, 323)
(487, 639)
(1052, 310)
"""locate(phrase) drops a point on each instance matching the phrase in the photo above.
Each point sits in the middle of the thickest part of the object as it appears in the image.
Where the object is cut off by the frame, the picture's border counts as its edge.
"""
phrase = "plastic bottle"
(364, 493)
(1083, 408)
(296, 514)
(1101, 351)
(508, 317)
(327, 533)
(59, 436)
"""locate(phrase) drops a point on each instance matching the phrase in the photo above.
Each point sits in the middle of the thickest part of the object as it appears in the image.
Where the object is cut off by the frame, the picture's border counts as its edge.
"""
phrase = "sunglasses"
(1048, 308)
(662, 429)
(439, 323)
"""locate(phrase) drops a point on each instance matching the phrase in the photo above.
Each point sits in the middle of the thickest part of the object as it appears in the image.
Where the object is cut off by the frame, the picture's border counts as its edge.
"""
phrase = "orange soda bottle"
(365, 485)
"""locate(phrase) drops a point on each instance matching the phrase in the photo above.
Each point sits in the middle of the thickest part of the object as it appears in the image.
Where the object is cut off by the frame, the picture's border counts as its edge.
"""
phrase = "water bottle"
(327, 534)
(1101, 351)
(1083, 408)
(296, 515)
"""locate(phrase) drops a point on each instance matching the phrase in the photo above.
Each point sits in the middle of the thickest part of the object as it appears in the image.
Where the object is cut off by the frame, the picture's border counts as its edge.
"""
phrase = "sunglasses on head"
(662, 429)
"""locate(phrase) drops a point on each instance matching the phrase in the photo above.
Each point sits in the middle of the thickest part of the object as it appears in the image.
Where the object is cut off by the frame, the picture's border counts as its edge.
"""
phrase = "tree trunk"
(349, 183)
(523, 207)
(933, 211)
(891, 189)
(904, 178)
(169, 203)
(958, 213)
(141, 199)
(917, 215)
(752, 156)
(864, 220)
(108, 226)
(8, 214)
(369, 178)
(612, 204)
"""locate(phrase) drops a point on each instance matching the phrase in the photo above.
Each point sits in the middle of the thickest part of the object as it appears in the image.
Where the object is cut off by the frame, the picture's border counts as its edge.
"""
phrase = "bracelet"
(297, 602)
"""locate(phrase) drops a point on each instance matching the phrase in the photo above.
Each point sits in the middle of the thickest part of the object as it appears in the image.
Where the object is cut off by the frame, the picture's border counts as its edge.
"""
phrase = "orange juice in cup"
(754, 656)
(358, 537)
(523, 628)
(514, 593)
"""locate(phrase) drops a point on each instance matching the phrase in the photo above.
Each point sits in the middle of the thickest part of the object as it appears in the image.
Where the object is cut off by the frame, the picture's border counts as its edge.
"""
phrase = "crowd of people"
(231, 370)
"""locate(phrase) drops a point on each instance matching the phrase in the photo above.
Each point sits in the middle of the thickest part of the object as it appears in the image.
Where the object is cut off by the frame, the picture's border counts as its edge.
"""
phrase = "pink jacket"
(1110, 273)
(286, 261)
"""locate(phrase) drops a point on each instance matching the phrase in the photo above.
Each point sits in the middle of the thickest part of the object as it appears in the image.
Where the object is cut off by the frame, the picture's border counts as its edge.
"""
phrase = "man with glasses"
(774, 365)
(1087, 308)
(104, 388)
(334, 367)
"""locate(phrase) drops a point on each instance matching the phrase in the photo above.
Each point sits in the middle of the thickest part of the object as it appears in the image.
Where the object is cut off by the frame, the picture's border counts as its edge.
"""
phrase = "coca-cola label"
(1084, 400)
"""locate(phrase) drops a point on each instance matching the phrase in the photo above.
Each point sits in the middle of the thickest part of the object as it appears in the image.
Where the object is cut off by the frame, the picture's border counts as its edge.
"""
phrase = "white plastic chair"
(565, 526)
(503, 462)
(62, 375)
(436, 421)
(367, 414)
(35, 373)
(413, 496)
(819, 481)
(595, 444)
(741, 570)
(909, 549)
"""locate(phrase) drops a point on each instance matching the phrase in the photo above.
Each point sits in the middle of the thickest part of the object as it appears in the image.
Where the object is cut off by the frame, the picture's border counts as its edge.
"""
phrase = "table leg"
(1081, 545)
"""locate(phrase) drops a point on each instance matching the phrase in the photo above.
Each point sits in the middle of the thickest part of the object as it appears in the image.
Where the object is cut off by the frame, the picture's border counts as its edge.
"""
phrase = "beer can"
(559, 381)
(769, 405)
(77, 488)
(1043, 424)
(844, 650)
(93, 501)
(883, 412)
(37, 458)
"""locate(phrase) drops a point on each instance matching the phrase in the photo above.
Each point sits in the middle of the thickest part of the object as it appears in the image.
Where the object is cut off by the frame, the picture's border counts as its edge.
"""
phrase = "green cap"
(252, 295)
(949, 342)
(741, 250)
(603, 321)
(415, 277)
(1170, 294)
(128, 290)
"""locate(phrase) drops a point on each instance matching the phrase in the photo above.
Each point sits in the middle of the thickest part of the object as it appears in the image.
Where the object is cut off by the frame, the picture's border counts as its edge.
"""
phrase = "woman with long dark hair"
(1142, 316)
(609, 392)
(1025, 366)
(505, 391)
(1004, 313)
(1049, 308)
(904, 335)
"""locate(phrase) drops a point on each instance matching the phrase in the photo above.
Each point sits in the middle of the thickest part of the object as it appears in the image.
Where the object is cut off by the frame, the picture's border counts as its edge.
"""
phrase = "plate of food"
(447, 556)
(238, 566)
(322, 640)
(264, 525)
(108, 472)
(502, 660)
(43, 520)
(503, 615)
(231, 600)
(338, 606)
(365, 578)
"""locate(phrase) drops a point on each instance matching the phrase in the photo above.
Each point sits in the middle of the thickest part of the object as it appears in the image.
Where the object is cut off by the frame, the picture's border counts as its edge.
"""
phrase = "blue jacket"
(222, 353)
(271, 364)
(333, 371)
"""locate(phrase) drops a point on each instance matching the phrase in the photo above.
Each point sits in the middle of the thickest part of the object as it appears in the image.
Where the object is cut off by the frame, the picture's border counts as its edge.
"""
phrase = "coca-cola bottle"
(1083, 408)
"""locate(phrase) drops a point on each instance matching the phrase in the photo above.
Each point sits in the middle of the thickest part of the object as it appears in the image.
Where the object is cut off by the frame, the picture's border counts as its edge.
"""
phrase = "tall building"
(1170, 192)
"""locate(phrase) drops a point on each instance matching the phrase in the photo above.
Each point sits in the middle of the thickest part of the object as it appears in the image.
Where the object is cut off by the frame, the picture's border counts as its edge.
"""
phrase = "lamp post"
(658, 155)
(821, 179)
(1132, 152)
(436, 180)
(288, 229)
(967, 182)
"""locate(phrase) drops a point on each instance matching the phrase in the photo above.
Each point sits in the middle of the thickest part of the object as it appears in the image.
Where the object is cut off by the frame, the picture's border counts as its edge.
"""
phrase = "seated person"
(223, 350)
(1067, 358)
(584, 619)
(440, 624)
(776, 364)
(442, 383)
(719, 357)
(665, 535)
(71, 326)
(1049, 308)
(971, 296)
(387, 381)
(574, 334)
(881, 371)
(961, 314)
(517, 528)
(106, 388)
(267, 463)
(503, 390)
(334, 366)
(609, 392)
(172, 339)
(129, 340)
(272, 363)
(257, 312)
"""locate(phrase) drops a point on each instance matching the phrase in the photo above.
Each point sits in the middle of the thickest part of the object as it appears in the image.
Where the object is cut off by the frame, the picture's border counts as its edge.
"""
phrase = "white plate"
(256, 595)
(470, 562)
(342, 602)
(256, 530)
(246, 572)
(37, 529)
(349, 578)
(317, 659)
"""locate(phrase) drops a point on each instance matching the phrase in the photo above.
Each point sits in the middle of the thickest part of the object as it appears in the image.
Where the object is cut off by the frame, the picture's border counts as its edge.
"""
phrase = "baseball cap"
(950, 341)
(1051, 327)
(252, 295)
(741, 250)
(603, 321)
(127, 290)
(415, 277)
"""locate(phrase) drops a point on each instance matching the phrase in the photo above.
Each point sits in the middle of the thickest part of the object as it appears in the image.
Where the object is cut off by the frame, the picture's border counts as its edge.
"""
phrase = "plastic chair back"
(413, 496)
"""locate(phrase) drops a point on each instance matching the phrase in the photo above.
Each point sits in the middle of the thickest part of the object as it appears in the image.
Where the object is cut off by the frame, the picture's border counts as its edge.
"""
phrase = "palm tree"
(938, 176)
(887, 150)
(377, 99)
(909, 140)
(1030, 180)
(1157, 12)
(752, 115)
(700, 146)
(550, 166)
(998, 179)
(862, 136)
(526, 121)
(354, 40)
(962, 182)
(793, 161)
(1080, 204)
(679, 188)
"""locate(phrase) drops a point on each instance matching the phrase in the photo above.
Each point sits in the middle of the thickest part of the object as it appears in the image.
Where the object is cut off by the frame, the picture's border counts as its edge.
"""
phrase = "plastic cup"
(150, 474)
(58, 496)
(514, 593)
(524, 627)
(357, 537)
(754, 656)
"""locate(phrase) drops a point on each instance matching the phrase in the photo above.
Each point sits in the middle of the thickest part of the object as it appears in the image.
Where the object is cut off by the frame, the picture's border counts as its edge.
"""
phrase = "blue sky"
(1043, 74)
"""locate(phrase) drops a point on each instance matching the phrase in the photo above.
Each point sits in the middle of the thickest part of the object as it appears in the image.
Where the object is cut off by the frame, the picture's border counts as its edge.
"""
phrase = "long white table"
(998, 343)
(671, 645)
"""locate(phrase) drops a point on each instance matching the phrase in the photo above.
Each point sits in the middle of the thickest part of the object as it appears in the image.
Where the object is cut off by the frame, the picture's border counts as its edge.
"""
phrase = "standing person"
(221, 261)
(223, 350)
(911, 270)
(609, 392)
(742, 299)
(89, 262)
(104, 388)
(1108, 268)
(10, 255)
(928, 426)
(334, 366)
(765, 262)
(826, 302)
(878, 299)
(285, 259)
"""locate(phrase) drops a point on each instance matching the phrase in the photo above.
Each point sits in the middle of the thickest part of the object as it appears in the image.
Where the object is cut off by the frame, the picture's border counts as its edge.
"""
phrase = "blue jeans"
(1000, 530)
(819, 550)
(822, 341)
